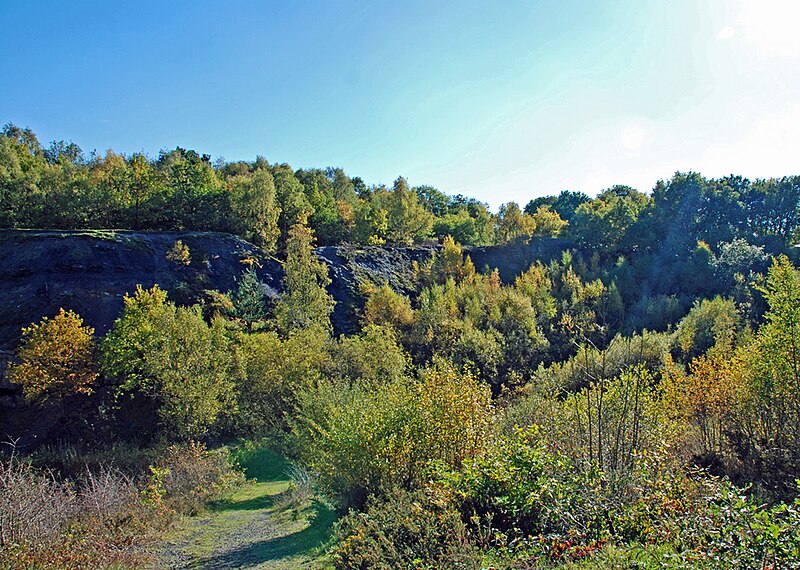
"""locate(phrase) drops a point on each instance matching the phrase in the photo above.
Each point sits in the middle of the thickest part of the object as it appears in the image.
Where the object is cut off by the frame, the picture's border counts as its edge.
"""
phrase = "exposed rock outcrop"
(91, 271)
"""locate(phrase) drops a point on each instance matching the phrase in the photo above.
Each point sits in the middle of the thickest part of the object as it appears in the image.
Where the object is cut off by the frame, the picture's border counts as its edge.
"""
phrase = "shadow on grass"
(254, 504)
(263, 465)
(302, 542)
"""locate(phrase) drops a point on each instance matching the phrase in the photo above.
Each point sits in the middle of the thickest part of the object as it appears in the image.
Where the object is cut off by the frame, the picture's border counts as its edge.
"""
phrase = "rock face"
(91, 271)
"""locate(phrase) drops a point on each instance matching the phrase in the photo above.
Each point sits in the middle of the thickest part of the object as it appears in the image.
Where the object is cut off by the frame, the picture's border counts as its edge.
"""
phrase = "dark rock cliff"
(91, 271)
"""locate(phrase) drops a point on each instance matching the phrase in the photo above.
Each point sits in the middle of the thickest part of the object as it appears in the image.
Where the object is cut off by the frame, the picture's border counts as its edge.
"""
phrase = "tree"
(325, 216)
(254, 208)
(124, 347)
(56, 358)
(274, 372)
(513, 223)
(460, 225)
(305, 302)
(173, 357)
(547, 222)
(371, 221)
(408, 220)
(536, 203)
(249, 298)
(434, 201)
(291, 198)
(387, 307)
(772, 207)
(191, 370)
(450, 263)
(373, 357)
(197, 197)
(567, 202)
(709, 323)
(603, 223)
(773, 361)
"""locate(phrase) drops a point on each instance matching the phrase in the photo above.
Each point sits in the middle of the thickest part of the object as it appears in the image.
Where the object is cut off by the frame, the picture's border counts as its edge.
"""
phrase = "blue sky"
(496, 100)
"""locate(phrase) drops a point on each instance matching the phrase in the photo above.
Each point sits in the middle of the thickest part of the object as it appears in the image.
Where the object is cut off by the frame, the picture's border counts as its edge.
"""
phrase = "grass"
(255, 527)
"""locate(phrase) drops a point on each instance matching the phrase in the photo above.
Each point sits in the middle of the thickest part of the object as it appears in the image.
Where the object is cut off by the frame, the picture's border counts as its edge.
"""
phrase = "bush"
(34, 506)
(404, 530)
(274, 372)
(361, 438)
(191, 476)
(105, 494)
(520, 489)
(537, 507)
(171, 356)
(101, 518)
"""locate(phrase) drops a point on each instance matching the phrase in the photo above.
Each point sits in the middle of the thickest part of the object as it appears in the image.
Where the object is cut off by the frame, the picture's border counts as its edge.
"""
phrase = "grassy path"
(258, 527)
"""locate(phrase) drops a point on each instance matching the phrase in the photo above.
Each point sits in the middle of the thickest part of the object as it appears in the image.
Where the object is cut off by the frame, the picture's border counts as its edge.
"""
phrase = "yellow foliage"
(56, 358)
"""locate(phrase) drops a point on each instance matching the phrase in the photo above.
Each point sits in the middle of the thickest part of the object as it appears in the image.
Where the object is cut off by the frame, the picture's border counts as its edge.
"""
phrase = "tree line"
(59, 187)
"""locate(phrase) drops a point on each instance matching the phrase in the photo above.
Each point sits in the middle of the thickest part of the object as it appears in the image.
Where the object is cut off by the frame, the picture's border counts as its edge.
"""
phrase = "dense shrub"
(274, 373)
(403, 529)
(521, 489)
(192, 476)
(361, 438)
(173, 357)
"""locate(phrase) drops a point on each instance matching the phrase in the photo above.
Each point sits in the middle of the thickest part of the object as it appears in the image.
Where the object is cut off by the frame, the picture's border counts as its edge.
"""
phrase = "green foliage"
(292, 199)
(596, 474)
(512, 223)
(404, 529)
(547, 222)
(248, 301)
(254, 208)
(325, 215)
(521, 489)
(450, 263)
(171, 355)
(124, 348)
(360, 439)
(386, 307)
(274, 373)
(482, 325)
(710, 322)
(611, 421)
(305, 302)
(192, 371)
(604, 222)
(407, 220)
(462, 227)
(773, 365)
(374, 357)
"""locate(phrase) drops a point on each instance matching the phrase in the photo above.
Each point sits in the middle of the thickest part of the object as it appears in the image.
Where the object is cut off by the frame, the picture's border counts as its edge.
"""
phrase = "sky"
(499, 101)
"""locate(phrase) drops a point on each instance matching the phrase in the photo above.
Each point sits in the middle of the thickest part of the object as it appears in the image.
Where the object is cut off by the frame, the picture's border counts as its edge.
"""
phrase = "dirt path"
(258, 527)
